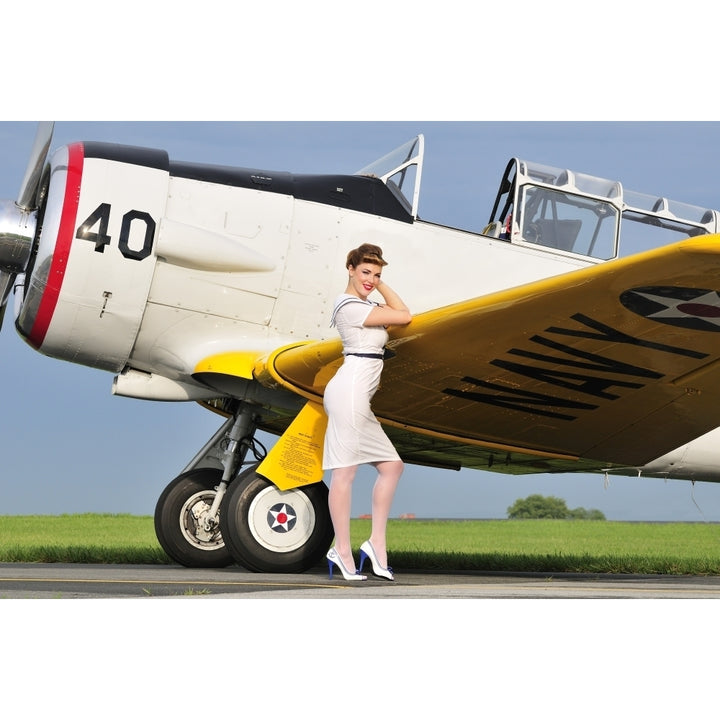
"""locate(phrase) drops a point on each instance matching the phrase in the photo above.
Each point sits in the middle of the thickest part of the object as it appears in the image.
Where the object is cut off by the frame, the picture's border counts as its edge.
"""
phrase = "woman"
(354, 436)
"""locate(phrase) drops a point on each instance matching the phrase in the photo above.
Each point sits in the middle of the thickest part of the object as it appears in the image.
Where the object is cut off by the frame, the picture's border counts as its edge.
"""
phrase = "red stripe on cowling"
(66, 233)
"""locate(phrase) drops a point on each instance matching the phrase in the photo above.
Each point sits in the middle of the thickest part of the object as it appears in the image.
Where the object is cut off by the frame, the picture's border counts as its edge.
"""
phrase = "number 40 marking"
(101, 217)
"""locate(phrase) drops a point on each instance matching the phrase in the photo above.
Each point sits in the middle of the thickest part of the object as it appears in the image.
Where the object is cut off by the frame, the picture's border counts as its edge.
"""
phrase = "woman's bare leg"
(389, 473)
(339, 502)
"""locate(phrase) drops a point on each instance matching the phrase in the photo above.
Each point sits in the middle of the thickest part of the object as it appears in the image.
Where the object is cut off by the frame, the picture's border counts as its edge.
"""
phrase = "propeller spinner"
(18, 219)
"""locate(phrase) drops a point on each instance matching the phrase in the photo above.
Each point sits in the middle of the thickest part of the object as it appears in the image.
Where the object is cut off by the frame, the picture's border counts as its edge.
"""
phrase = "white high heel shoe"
(334, 557)
(368, 551)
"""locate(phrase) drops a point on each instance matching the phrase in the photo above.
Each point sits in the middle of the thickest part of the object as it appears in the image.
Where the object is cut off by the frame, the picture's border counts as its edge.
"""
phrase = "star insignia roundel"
(691, 308)
(281, 518)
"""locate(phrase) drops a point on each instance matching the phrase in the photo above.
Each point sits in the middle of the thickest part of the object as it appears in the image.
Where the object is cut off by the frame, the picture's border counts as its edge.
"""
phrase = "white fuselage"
(170, 270)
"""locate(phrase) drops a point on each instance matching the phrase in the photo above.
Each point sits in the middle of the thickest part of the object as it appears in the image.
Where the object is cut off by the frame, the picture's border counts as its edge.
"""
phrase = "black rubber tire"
(178, 530)
(271, 531)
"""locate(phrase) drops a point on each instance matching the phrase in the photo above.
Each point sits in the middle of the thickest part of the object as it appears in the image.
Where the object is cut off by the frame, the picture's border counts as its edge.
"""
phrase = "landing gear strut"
(187, 514)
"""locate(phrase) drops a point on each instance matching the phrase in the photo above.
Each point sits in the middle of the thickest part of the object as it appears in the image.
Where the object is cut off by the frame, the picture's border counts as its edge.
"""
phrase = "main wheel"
(274, 531)
(180, 516)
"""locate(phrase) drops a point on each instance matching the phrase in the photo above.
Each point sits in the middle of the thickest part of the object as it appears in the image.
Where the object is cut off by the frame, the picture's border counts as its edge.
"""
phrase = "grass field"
(548, 546)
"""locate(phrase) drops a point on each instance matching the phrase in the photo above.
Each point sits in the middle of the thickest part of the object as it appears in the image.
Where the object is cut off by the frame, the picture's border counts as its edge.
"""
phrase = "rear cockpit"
(563, 211)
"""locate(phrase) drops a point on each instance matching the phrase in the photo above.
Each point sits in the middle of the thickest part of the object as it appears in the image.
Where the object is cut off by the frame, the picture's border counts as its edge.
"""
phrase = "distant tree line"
(541, 506)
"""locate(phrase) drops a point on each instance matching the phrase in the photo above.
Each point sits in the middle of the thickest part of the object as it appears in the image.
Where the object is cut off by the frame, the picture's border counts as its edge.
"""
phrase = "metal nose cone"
(17, 230)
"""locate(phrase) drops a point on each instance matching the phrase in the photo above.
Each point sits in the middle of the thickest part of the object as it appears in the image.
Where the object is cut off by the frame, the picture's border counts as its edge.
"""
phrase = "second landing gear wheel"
(268, 530)
(180, 516)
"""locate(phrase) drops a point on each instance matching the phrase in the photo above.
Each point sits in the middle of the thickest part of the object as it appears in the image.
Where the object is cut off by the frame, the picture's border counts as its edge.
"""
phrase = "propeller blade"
(28, 190)
(6, 283)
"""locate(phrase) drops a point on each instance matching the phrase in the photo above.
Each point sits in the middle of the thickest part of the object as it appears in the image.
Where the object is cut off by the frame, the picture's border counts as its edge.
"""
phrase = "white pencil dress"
(354, 436)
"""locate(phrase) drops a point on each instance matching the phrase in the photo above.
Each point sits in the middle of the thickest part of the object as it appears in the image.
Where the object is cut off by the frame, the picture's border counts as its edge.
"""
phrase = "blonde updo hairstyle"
(366, 253)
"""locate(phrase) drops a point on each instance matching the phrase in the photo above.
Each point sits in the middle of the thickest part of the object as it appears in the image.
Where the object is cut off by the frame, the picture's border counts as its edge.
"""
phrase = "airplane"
(546, 350)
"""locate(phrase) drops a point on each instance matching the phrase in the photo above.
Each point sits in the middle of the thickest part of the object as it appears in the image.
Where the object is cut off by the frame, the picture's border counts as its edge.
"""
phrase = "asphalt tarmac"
(68, 581)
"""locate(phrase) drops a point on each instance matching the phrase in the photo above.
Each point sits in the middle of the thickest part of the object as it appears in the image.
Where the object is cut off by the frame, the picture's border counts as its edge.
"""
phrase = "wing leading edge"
(615, 364)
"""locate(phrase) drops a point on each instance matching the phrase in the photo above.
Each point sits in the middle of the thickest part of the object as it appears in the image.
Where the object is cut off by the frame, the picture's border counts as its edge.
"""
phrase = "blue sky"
(69, 446)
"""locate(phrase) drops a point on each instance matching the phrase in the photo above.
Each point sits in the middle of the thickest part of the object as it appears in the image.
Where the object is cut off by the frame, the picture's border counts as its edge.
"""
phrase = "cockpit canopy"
(558, 210)
(401, 171)
(571, 212)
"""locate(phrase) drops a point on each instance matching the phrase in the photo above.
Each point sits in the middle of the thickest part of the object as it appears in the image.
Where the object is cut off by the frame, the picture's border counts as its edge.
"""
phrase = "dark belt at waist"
(375, 356)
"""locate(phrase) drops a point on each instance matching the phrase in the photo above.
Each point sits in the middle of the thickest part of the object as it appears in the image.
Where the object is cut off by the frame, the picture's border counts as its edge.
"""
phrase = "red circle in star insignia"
(699, 309)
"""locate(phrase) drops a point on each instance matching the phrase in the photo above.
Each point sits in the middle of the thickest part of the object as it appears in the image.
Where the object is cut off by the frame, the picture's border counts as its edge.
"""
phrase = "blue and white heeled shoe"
(368, 551)
(333, 557)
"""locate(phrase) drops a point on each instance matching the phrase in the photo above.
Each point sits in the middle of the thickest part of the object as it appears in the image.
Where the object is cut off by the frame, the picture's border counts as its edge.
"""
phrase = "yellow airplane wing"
(615, 364)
